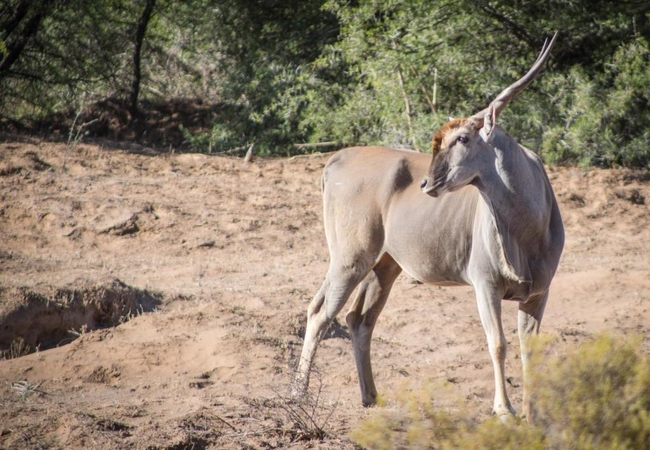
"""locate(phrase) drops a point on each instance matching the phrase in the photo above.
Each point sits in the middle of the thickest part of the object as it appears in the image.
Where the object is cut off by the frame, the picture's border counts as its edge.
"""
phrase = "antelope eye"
(463, 139)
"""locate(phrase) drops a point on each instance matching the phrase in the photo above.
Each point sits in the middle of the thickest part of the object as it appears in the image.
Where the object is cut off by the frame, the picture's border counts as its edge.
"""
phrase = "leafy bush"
(596, 396)
(604, 120)
(416, 421)
(412, 64)
(385, 72)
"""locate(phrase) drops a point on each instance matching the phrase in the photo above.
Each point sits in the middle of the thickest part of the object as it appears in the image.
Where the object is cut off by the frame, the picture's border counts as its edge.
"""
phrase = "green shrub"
(414, 422)
(494, 434)
(603, 119)
(596, 396)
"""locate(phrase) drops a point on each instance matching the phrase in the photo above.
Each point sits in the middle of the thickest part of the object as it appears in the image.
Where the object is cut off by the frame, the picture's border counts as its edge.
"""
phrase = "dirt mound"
(41, 319)
(238, 251)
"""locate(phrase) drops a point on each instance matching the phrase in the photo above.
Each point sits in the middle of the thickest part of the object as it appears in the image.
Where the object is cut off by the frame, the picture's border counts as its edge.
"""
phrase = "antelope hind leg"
(326, 304)
(362, 317)
(528, 323)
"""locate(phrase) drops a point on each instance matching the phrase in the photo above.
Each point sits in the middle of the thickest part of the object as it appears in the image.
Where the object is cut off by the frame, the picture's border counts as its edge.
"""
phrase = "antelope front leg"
(489, 307)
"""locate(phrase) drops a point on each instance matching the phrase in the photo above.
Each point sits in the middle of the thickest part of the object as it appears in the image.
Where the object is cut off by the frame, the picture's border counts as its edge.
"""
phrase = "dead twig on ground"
(24, 388)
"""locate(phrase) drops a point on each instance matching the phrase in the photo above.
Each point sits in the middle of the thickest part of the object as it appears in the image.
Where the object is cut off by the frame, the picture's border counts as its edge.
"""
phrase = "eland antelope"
(479, 211)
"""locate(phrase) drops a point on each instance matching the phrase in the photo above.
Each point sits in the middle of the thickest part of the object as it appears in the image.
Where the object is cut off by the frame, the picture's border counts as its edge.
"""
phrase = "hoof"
(297, 394)
(507, 418)
(297, 390)
(506, 415)
(369, 400)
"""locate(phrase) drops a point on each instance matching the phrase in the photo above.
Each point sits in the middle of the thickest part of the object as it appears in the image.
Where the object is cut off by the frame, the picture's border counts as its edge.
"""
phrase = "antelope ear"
(489, 121)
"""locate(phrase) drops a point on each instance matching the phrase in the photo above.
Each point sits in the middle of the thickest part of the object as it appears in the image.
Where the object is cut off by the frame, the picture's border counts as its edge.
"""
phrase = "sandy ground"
(213, 263)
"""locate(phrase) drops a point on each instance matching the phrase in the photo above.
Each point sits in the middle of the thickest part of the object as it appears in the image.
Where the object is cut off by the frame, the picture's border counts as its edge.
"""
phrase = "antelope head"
(461, 146)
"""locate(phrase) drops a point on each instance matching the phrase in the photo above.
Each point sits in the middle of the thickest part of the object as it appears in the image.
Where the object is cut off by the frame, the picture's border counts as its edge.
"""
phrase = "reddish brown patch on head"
(442, 132)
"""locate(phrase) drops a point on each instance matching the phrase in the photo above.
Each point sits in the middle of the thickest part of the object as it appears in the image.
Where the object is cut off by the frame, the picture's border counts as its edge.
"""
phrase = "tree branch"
(137, 50)
(10, 24)
(15, 48)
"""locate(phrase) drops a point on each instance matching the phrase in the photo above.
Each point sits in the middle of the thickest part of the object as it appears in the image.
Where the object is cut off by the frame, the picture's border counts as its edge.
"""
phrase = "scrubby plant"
(17, 349)
(595, 396)
(414, 420)
(496, 435)
(603, 117)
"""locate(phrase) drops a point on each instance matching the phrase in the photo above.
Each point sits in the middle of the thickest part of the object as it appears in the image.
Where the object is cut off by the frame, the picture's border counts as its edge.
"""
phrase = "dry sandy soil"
(168, 293)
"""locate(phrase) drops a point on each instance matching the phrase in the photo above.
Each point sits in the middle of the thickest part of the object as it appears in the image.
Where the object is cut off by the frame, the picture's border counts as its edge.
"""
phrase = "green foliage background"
(389, 72)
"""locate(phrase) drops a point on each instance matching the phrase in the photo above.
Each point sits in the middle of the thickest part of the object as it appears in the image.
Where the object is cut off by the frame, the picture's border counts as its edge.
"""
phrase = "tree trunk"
(12, 22)
(137, 50)
(16, 45)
